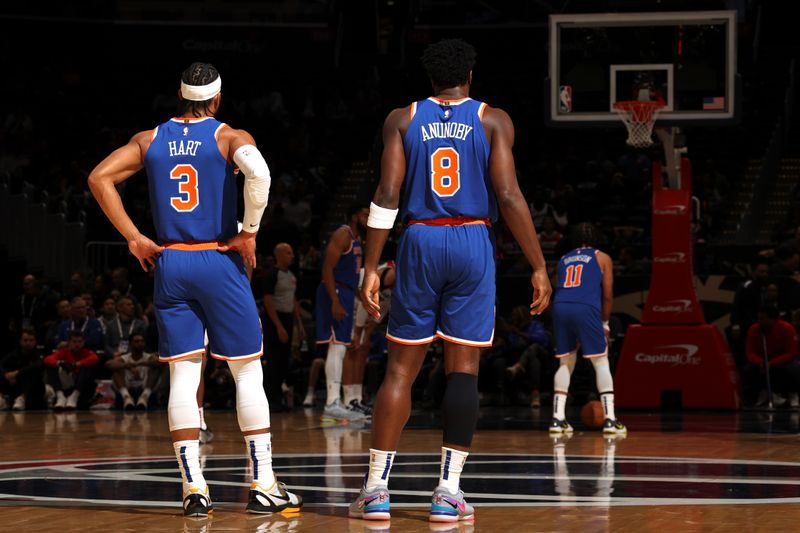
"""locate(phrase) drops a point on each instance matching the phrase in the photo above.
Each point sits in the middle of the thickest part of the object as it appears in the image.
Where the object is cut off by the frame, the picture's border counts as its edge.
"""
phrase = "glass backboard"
(685, 59)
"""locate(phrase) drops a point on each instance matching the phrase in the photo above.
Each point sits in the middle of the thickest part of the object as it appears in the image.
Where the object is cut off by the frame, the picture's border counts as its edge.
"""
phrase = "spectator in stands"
(777, 339)
(63, 313)
(549, 237)
(309, 255)
(89, 299)
(71, 371)
(628, 264)
(749, 298)
(101, 288)
(34, 308)
(135, 374)
(108, 313)
(531, 340)
(120, 280)
(21, 372)
(539, 206)
(786, 263)
(122, 328)
(79, 319)
(77, 285)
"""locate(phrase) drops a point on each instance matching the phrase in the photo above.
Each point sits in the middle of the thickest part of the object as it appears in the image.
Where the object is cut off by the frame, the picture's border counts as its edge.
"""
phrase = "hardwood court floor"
(112, 471)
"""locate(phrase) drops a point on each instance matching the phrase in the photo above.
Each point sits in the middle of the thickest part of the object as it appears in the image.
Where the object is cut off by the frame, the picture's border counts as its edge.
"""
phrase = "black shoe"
(261, 502)
(359, 407)
(559, 426)
(197, 504)
(614, 427)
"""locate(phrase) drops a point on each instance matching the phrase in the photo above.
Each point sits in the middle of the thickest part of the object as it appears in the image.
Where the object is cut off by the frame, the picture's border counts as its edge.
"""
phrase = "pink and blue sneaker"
(371, 505)
(449, 507)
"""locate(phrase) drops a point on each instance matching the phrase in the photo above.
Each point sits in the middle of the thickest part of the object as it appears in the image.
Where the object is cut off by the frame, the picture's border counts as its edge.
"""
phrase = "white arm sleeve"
(256, 185)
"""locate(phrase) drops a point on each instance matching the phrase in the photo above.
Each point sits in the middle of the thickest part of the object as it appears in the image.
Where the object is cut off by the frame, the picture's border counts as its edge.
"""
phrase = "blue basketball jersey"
(192, 187)
(579, 278)
(345, 272)
(447, 158)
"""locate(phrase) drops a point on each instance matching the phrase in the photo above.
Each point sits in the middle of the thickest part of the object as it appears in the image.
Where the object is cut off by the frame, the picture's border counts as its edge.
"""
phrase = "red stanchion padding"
(692, 360)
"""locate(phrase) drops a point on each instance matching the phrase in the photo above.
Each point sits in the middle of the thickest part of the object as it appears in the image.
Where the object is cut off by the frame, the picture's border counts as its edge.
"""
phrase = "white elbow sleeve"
(256, 185)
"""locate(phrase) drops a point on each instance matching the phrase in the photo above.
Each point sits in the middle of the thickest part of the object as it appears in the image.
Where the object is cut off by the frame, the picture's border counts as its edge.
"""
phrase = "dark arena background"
(701, 219)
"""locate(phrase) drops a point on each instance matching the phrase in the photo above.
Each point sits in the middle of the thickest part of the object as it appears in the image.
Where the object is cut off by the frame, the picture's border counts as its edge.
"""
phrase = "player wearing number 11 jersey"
(581, 309)
(201, 282)
(454, 156)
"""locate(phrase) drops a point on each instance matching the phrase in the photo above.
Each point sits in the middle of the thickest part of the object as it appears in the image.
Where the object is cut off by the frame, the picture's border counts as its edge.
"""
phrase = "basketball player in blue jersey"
(335, 307)
(200, 279)
(581, 309)
(454, 156)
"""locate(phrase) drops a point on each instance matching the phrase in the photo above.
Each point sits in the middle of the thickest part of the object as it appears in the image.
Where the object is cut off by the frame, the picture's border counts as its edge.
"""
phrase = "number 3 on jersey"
(189, 197)
(445, 173)
(573, 278)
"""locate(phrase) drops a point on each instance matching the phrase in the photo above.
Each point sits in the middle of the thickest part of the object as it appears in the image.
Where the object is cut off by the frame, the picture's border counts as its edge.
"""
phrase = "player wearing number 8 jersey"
(201, 282)
(454, 156)
(581, 309)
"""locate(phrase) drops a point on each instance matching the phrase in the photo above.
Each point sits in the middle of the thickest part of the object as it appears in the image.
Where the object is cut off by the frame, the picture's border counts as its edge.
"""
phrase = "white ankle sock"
(188, 454)
(380, 463)
(358, 392)
(349, 393)
(125, 393)
(259, 450)
(452, 464)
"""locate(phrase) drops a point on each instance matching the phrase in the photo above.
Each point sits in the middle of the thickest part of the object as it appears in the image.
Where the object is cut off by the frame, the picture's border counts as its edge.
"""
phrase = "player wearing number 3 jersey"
(201, 282)
(454, 156)
(581, 309)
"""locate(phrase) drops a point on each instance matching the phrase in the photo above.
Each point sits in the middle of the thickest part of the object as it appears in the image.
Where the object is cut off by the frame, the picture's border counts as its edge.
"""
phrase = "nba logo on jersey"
(185, 132)
(565, 98)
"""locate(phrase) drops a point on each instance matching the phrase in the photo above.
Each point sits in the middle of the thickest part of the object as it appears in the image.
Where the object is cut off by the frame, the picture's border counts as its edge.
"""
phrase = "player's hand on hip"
(244, 243)
(145, 250)
(541, 291)
(370, 291)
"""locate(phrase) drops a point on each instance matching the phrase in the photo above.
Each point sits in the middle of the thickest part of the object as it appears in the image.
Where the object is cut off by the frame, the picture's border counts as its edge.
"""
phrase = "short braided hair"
(197, 74)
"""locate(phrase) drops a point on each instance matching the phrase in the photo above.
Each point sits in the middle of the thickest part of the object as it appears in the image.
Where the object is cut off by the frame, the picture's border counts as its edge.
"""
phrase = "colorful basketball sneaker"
(449, 507)
(560, 426)
(197, 504)
(371, 505)
(276, 499)
(614, 427)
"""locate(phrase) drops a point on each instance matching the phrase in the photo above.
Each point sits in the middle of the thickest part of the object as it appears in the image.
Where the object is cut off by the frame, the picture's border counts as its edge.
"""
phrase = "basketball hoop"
(639, 117)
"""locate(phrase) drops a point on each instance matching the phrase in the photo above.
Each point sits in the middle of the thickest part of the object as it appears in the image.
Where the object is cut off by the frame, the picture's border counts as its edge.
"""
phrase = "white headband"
(201, 93)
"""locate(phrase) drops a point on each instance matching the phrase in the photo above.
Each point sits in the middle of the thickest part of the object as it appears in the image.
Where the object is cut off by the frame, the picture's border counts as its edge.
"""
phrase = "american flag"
(713, 103)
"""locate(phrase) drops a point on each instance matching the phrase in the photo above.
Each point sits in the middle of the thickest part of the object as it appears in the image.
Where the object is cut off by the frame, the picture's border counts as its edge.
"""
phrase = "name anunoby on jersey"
(445, 130)
(184, 148)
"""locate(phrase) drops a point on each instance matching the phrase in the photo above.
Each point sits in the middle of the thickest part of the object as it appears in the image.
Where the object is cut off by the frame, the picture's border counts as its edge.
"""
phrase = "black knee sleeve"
(460, 408)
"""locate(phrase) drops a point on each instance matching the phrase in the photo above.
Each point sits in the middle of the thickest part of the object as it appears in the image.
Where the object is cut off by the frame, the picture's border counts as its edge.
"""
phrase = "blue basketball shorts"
(328, 329)
(199, 290)
(445, 286)
(576, 322)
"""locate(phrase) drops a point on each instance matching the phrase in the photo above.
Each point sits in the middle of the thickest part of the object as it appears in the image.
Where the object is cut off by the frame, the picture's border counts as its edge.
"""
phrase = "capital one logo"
(672, 354)
(674, 306)
(670, 210)
(674, 257)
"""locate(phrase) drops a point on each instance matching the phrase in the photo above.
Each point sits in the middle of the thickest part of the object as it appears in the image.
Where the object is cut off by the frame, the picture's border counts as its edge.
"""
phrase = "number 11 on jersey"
(573, 277)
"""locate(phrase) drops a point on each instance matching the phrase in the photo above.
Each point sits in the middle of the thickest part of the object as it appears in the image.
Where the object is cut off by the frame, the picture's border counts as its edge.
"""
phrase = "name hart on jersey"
(184, 148)
(445, 130)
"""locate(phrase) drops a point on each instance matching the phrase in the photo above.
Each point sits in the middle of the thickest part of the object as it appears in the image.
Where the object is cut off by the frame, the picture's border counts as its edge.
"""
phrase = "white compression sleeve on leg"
(252, 408)
(256, 185)
(602, 371)
(333, 371)
(184, 378)
(565, 368)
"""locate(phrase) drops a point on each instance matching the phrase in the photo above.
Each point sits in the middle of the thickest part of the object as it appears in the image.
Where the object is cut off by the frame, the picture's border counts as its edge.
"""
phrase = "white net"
(639, 117)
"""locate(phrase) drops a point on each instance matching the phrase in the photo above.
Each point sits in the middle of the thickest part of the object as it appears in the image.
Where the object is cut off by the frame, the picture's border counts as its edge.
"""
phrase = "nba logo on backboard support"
(565, 98)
